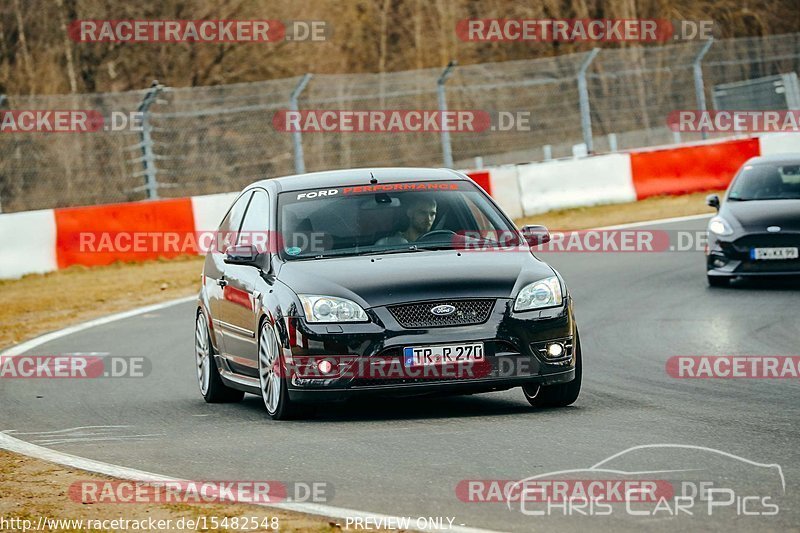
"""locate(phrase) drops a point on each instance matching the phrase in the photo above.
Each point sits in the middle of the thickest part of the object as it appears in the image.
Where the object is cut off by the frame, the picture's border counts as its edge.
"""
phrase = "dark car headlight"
(331, 309)
(540, 294)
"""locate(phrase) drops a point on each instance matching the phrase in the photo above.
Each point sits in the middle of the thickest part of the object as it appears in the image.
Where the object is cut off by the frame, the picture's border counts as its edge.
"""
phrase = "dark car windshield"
(767, 182)
(389, 218)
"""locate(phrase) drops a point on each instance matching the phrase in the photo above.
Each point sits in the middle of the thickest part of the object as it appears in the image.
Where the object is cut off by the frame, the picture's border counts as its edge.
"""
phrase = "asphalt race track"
(406, 457)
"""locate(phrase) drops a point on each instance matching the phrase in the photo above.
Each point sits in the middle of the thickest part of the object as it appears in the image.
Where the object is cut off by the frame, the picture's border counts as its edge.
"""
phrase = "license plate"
(773, 253)
(442, 354)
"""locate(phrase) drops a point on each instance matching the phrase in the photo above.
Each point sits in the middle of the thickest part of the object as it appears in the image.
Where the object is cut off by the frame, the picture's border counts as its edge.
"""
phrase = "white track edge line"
(657, 221)
(7, 442)
(53, 335)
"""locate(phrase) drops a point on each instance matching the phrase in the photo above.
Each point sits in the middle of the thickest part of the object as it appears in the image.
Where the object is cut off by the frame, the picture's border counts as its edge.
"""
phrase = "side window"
(229, 228)
(256, 222)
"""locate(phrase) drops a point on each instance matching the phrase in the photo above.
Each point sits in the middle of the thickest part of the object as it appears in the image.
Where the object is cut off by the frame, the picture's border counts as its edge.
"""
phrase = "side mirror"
(713, 201)
(243, 254)
(536, 235)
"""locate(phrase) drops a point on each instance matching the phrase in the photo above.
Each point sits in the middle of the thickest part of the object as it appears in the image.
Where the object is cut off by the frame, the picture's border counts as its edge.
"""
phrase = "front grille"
(766, 240)
(789, 266)
(419, 315)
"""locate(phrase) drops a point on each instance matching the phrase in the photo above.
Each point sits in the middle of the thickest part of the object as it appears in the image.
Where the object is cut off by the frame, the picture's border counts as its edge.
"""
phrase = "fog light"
(325, 366)
(719, 262)
(555, 349)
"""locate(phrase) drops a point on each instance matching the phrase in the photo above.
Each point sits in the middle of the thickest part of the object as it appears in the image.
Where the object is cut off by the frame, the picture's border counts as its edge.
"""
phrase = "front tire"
(211, 386)
(274, 392)
(560, 394)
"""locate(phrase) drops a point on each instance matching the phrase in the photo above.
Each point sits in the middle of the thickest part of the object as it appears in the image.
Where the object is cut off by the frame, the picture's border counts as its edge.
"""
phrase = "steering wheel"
(432, 235)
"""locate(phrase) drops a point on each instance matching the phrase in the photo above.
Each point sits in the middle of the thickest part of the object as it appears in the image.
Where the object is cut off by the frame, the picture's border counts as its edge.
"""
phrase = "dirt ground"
(610, 215)
(36, 304)
(31, 489)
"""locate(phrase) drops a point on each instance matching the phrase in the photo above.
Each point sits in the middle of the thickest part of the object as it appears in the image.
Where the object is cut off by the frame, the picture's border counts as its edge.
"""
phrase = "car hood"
(758, 215)
(379, 280)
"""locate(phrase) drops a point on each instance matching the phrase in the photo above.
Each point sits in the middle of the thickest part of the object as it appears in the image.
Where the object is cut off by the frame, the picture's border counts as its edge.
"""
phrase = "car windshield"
(389, 218)
(767, 182)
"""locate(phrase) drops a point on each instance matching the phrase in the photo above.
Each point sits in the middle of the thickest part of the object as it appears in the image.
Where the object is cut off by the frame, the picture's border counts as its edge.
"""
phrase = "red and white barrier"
(603, 179)
(779, 143)
(29, 243)
(628, 176)
(43, 241)
(689, 169)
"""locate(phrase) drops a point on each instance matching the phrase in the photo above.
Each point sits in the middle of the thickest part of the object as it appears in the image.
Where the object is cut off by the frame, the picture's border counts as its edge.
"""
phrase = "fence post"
(699, 88)
(148, 158)
(612, 142)
(2, 104)
(297, 138)
(583, 100)
(447, 150)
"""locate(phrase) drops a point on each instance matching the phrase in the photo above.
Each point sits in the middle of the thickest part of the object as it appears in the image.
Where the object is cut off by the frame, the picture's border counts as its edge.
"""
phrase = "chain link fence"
(204, 140)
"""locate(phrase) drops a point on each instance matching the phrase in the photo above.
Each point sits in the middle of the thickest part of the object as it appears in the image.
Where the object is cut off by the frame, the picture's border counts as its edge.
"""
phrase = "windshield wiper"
(439, 247)
(765, 198)
(393, 251)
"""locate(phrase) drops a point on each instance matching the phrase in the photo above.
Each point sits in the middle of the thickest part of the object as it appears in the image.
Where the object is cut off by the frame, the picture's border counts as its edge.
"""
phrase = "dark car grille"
(767, 240)
(788, 266)
(419, 315)
(741, 247)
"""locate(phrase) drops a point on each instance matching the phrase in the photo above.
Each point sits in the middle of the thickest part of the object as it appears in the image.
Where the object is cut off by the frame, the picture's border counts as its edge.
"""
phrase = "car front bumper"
(514, 345)
(732, 257)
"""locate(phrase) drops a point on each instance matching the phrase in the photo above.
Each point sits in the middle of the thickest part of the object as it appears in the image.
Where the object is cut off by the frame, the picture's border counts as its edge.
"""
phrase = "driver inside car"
(421, 213)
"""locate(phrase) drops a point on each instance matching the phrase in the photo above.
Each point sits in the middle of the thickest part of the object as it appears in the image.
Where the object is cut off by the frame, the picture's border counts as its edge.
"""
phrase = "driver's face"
(422, 217)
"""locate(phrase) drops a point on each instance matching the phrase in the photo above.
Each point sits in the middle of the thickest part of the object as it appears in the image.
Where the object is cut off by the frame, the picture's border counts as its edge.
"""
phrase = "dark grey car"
(757, 229)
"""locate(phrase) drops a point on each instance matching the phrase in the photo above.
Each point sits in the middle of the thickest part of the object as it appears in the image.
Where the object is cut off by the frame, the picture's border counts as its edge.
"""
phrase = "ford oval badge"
(442, 310)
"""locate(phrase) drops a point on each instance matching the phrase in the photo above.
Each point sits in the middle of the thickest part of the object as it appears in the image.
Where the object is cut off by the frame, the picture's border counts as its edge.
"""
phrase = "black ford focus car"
(325, 286)
(757, 229)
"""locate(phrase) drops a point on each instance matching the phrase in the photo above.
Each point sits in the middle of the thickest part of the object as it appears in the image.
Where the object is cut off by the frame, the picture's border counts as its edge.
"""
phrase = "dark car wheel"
(561, 394)
(718, 281)
(211, 386)
(271, 378)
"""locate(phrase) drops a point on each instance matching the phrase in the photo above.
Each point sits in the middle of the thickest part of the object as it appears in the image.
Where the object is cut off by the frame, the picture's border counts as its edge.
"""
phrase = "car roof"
(775, 159)
(357, 176)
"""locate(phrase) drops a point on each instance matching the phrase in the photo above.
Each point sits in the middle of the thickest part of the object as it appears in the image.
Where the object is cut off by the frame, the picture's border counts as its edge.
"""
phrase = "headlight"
(331, 309)
(719, 226)
(543, 293)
